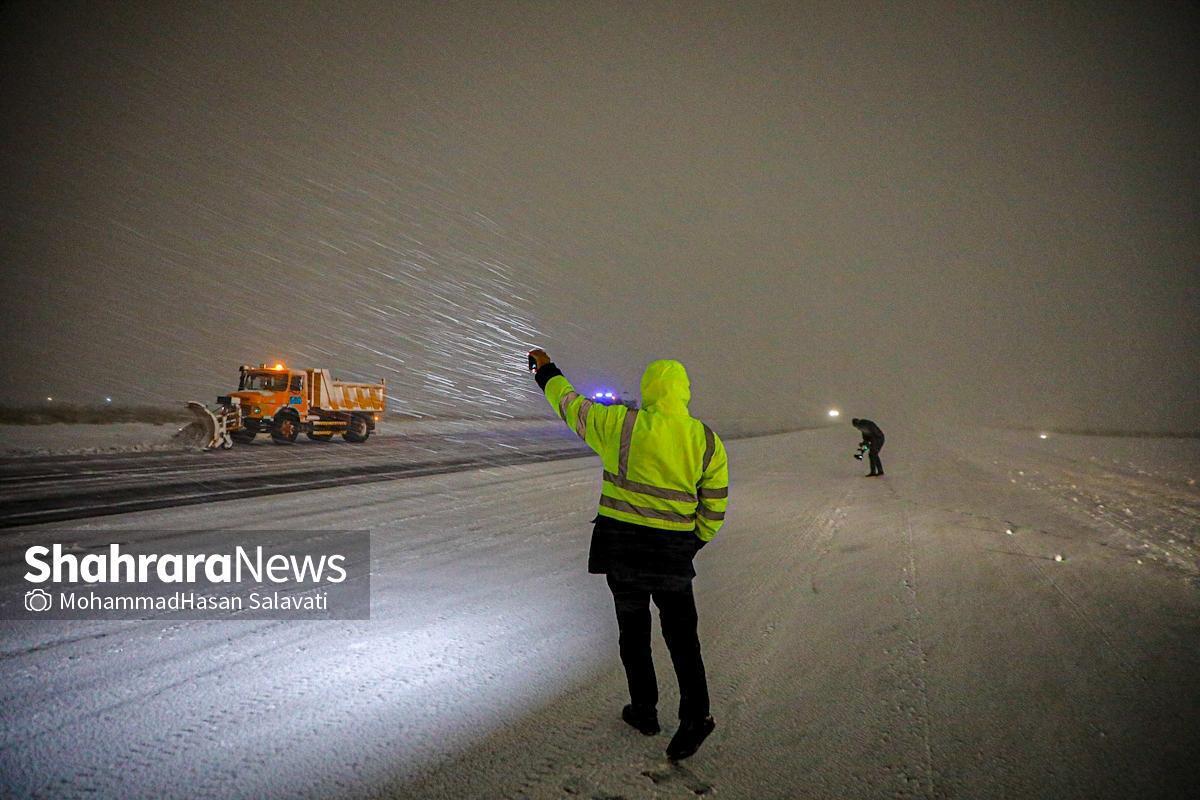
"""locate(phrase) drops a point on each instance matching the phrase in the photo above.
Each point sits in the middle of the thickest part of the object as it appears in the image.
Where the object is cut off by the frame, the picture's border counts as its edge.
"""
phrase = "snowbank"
(55, 439)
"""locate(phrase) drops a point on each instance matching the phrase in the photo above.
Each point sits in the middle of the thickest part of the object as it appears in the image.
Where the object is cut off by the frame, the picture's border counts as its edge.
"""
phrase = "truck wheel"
(320, 437)
(285, 430)
(357, 430)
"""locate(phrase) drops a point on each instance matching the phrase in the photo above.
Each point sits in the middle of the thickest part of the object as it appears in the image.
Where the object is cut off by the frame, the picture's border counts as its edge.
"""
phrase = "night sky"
(983, 211)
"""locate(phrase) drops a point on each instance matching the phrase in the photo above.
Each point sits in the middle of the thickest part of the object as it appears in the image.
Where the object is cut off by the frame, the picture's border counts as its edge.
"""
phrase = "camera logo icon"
(38, 600)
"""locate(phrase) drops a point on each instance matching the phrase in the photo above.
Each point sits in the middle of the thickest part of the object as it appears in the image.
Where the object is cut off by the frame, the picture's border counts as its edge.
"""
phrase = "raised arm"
(594, 423)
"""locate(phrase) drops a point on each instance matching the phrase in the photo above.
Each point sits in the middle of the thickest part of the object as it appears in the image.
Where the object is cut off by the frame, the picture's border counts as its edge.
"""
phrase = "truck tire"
(319, 437)
(285, 430)
(358, 430)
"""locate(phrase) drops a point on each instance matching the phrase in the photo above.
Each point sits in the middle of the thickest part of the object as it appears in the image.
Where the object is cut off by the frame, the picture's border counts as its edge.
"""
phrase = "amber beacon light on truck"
(281, 402)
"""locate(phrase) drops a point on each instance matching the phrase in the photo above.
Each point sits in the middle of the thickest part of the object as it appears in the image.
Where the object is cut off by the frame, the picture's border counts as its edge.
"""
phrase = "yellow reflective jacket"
(662, 467)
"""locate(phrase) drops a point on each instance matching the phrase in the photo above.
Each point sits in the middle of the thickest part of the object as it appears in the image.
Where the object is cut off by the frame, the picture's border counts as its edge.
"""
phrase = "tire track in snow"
(915, 653)
(1040, 561)
(906, 658)
(1077, 609)
(810, 543)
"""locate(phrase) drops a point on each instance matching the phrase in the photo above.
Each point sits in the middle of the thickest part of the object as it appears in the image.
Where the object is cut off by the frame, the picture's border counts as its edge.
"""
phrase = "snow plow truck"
(284, 403)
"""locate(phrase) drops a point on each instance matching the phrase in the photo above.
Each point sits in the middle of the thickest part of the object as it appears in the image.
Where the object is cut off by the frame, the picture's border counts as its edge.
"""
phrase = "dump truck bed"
(334, 395)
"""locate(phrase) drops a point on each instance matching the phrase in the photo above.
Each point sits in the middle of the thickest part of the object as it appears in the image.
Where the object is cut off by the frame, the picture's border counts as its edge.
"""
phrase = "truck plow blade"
(214, 426)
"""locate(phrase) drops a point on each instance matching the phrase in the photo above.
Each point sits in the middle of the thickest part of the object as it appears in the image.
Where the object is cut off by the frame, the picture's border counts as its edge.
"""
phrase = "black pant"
(873, 448)
(677, 613)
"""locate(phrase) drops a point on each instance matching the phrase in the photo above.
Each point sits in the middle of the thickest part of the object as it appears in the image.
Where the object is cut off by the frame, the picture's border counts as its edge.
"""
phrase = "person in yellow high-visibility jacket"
(663, 497)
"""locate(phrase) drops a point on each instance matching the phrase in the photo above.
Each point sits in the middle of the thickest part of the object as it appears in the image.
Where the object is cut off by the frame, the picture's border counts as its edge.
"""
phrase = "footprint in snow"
(675, 773)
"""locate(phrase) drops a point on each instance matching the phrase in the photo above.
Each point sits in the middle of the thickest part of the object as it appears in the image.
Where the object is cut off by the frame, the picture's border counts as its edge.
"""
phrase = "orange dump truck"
(284, 403)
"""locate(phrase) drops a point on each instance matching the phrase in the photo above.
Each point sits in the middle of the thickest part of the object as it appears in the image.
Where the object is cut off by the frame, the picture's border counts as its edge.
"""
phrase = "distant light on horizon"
(108, 399)
(49, 399)
(833, 412)
(1043, 436)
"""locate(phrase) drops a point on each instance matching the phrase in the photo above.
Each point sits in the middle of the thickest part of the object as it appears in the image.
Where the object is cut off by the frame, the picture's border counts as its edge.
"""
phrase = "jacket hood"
(665, 386)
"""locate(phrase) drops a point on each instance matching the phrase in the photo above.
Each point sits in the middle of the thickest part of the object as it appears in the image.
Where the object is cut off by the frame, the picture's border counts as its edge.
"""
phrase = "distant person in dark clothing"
(873, 439)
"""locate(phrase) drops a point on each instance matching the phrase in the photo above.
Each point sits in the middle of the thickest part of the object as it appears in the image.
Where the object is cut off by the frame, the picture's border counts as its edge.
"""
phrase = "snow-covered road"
(907, 637)
(54, 487)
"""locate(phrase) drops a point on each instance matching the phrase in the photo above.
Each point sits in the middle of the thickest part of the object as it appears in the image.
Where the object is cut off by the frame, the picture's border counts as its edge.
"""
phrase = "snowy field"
(1001, 616)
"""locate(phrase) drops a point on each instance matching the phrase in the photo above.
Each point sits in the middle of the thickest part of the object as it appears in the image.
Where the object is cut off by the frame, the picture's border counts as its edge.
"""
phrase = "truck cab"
(263, 393)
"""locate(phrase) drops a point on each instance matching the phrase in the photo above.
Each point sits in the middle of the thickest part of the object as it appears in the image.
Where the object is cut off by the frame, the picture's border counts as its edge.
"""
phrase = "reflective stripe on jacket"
(662, 467)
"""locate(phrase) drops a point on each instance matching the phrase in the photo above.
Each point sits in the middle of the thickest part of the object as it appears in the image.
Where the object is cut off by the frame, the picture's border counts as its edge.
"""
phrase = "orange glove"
(538, 358)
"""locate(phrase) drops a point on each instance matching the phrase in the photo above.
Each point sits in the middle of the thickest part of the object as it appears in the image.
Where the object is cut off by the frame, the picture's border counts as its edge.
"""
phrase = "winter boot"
(689, 737)
(645, 720)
